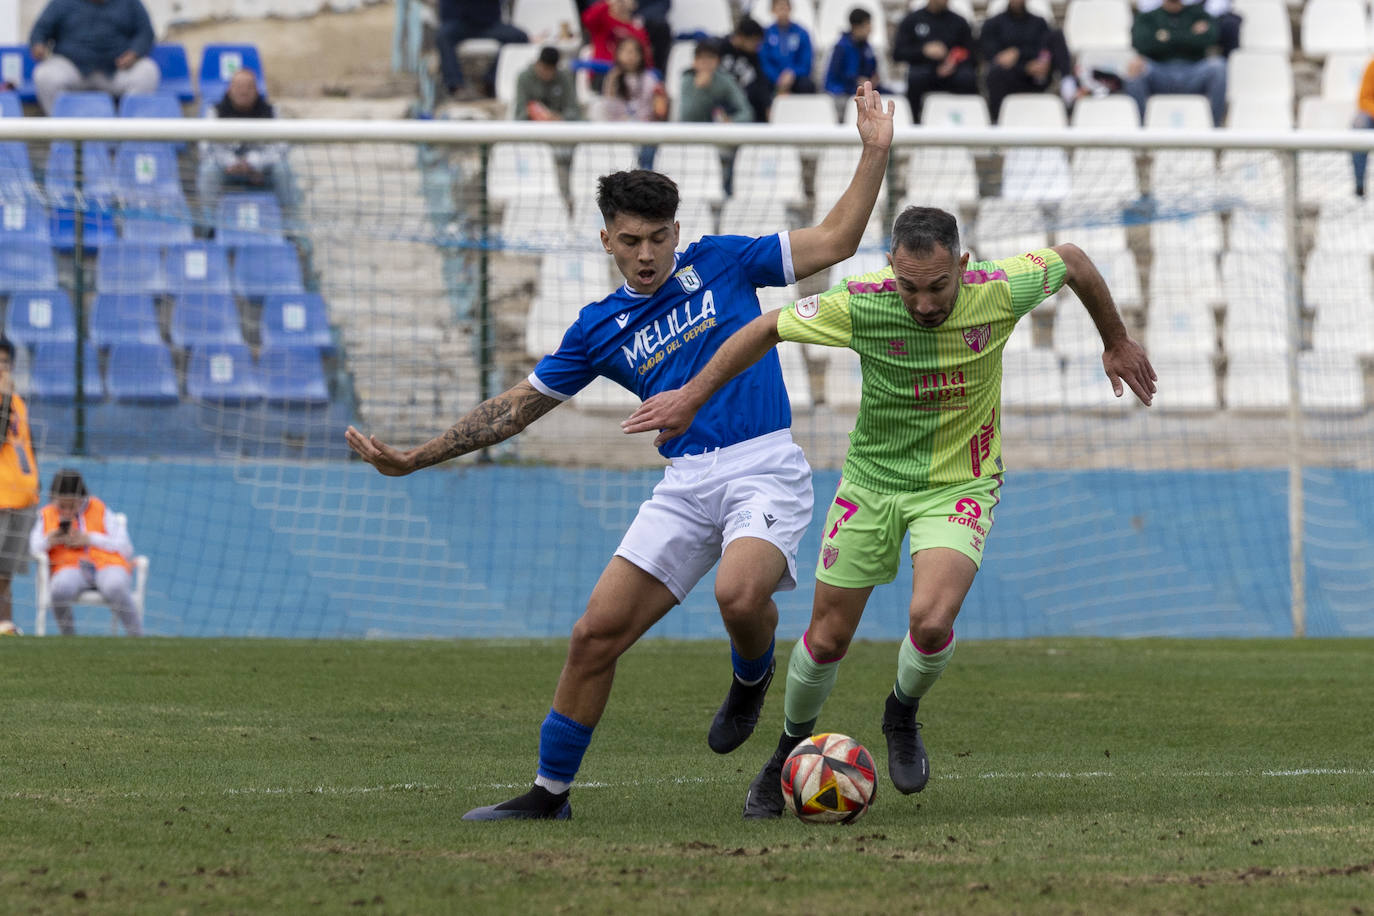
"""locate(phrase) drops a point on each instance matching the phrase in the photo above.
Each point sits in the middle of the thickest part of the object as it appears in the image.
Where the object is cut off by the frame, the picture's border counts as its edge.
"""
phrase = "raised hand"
(875, 120)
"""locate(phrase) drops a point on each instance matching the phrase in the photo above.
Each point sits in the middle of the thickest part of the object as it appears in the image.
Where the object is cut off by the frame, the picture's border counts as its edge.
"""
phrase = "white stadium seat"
(1258, 230)
(1178, 112)
(1325, 176)
(592, 160)
(1333, 27)
(1251, 177)
(832, 19)
(1345, 227)
(1341, 78)
(752, 216)
(1338, 287)
(567, 282)
(1179, 327)
(1100, 233)
(1254, 283)
(865, 260)
(1265, 75)
(1327, 381)
(1256, 381)
(1264, 26)
(1040, 173)
(948, 109)
(1122, 273)
(1255, 327)
(1074, 331)
(712, 17)
(1009, 227)
(1184, 275)
(510, 63)
(1181, 174)
(605, 396)
(1032, 379)
(1103, 177)
(901, 111)
(803, 109)
(694, 166)
(1187, 381)
(548, 22)
(522, 170)
(1097, 24)
(796, 377)
(1113, 112)
(1196, 233)
(1086, 386)
(696, 218)
(1251, 113)
(532, 223)
(843, 380)
(941, 177)
(771, 171)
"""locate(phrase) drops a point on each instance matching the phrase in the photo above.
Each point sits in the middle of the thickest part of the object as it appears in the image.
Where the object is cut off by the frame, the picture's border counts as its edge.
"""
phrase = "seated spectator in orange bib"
(87, 547)
(18, 484)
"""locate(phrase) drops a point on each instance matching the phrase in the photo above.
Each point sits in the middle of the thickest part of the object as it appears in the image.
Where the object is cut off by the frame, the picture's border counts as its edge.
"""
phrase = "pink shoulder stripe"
(872, 286)
(984, 276)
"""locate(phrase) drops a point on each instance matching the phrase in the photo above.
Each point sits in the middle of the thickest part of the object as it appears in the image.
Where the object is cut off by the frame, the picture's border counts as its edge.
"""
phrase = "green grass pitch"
(1086, 776)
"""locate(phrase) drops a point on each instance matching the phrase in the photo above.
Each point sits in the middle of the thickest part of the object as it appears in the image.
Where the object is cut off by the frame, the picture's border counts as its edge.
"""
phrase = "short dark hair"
(67, 482)
(7, 347)
(749, 28)
(920, 229)
(549, 57)
(640, 192)
(707, 46)
(858, 16)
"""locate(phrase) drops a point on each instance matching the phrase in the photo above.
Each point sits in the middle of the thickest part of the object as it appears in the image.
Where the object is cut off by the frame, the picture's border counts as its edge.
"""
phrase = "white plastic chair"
(513, 60)
(1328, 381)
(1265, 75)
(42, 586)
(695, 166)
(832, 20)
(710, 16)
(1333, 27)
(548, 22)
(1341, 78)
(1098, 24)
(1189, 381)
(802, 109)
(1264, 26)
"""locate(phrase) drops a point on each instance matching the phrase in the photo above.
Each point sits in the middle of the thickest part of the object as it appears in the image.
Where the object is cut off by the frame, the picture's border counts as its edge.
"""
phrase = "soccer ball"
(7, 628)
(829, 779)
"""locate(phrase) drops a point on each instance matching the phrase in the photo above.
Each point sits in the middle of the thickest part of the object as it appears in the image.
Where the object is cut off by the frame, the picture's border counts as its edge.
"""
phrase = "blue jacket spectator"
(852, 61)
(786, 55)
(99, 45)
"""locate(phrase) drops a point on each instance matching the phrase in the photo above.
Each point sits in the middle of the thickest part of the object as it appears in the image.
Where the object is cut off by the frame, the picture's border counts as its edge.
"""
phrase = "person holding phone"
(18, 484)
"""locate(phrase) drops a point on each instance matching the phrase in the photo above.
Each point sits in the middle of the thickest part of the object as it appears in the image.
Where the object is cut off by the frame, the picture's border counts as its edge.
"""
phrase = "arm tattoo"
(492, 421)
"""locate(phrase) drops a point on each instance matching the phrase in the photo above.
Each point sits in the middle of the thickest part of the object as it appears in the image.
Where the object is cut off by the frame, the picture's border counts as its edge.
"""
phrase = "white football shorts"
(759, 488)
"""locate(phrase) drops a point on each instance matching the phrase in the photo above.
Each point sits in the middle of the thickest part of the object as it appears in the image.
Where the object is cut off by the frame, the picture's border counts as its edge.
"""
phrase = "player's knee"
(929, 635)
(741, 601)
(827, 642)
(594, 645)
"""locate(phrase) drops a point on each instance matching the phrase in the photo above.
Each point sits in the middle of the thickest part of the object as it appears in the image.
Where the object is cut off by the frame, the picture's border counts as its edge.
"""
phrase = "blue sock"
(751, 670)
(562, 742)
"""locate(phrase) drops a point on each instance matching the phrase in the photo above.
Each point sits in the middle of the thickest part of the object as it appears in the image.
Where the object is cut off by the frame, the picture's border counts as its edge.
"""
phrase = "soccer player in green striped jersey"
(925, 454)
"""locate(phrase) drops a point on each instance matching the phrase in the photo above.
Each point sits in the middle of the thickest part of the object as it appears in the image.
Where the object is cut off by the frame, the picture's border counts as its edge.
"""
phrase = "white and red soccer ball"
(829, 779)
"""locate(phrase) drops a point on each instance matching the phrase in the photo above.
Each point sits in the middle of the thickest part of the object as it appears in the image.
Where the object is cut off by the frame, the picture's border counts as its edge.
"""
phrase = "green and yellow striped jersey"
(929, 408)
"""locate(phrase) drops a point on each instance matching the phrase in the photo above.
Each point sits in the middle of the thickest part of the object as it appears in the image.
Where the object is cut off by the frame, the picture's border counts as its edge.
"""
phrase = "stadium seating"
(752, 216)
(701, 18)
(694, 166)
(1257, 380)
(223, 374)
(16, 175)
(197, 267)
(16, 68)
(1038, 173)
(1086, 386)
(1075, 334)
(146, 169)
(205, 319)
(121, 318)
(40, 316)
(83, 105)
(1263, 75)
(130, 267)
(940, 177)
(606, 396)
(832, 20)
(1097, 24)
(1005, 227)
(1187, 231)
(299, 320)
(1258, 230)
(1345, 228)
(803, 14)
(10, 105)
(1329, 383)
(1251, 113)
(141, 373)
(247, 218)
(1111, 112)
(547, 22)
(795, 376)
(1341, 77)
(218, 63)
(96, 192)
(1184, 275)
(262, 269)
(512, 60)
(803, 109)
(947, 109)
(1265, 27)
(52, 375)
(1032, 379)
(176, 74)
(769, 172)
(23, 218)
(1180, 327)
(1189, 381)
(1333, 27)
(161, 104)
(697, 218)
(901, 111)
(292, 376)
(26, 264)
(157, 220)
(532, 223)
(521, 170)
(1324, 176)
(592, 160)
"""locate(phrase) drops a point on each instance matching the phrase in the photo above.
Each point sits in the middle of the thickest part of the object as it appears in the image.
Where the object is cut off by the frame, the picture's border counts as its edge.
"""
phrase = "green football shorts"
(862, 541)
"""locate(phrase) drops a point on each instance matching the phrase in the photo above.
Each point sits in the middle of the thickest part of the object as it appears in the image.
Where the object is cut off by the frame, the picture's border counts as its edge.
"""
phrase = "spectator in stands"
(1364, 120)
(631, 91)
(852, 61)
(653, 15)
(246, 166)
(18, 484)
(460, 20)
(99, 45)
(545, 91)
(937, 45)
(1228, 21)
(1022, 51)
(1173, 42)
(609, 21)
(740, 59)
(786, 53)
(88, 547)
(708, 94)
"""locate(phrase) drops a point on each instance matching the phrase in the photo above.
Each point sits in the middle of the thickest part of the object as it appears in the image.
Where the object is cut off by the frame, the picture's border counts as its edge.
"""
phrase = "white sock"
(554, 786)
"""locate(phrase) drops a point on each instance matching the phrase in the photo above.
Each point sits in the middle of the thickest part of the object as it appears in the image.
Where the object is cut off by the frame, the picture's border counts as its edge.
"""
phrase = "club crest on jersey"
(689, 279)
(808, 308)
(977, 338)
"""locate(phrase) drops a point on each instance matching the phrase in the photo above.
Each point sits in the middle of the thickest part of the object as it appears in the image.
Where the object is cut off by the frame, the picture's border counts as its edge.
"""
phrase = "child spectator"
(707, 93)
(545, 91)
(852, 61)
(786, 53)
(937, 43)
(740, 59)
(631, 91)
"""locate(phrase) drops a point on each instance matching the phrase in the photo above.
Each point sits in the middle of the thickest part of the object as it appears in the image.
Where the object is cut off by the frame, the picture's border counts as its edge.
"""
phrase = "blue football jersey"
(658, 342)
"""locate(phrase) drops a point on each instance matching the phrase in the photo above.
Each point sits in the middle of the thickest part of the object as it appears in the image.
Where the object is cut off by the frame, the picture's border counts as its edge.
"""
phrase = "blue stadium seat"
(26, 264)
(142, 372)
(23, 218)
(243, 219)
(223, 374)
(40, 316)
(130, 267)
(145, 169)
(10, 105)
(218, 62)
(260, 270)
(198, 267)
(97, 186)
(292, 376)
(120, 318)
(171, 59)
(52, 374)
(160, 104)
(16, 68)
(16, 175)
(156, 220)
(205, 319)
(83, 105)
(296, 320)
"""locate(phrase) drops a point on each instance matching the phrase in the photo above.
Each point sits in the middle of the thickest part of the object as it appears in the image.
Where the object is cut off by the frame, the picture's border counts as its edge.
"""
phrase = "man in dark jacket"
(1022, 51)
(244, 166)
(740, 58)
(99, 45)
(460, 20)
(937, 44)
(1173, 42)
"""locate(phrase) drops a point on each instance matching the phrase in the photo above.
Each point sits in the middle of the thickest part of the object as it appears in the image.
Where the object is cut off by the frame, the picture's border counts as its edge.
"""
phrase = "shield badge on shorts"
(688, 277)
(829, 555)
(977, 338)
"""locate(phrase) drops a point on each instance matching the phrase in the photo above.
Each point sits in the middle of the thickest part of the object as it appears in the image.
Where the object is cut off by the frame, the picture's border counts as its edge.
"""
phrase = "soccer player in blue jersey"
(737, 490)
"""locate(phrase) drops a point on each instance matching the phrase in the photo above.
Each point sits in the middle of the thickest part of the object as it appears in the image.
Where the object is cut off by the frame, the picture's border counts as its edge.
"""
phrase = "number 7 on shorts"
(849, 509)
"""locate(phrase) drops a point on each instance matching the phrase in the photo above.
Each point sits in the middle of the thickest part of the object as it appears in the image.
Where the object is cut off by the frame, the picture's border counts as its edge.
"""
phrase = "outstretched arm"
(494, 420)
(671, 412)
(1122, 358)
(837, 236)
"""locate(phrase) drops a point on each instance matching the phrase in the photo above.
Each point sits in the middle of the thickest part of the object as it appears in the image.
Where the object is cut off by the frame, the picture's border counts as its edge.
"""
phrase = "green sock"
(918, 671)
(809, 683)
